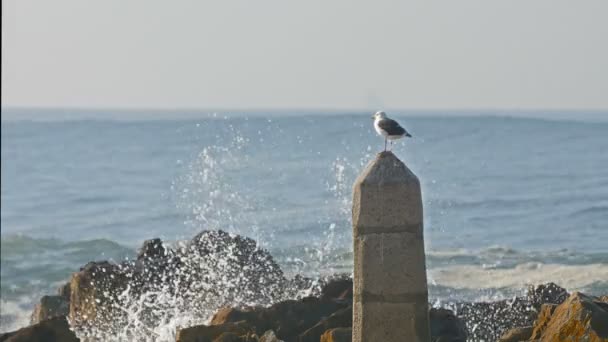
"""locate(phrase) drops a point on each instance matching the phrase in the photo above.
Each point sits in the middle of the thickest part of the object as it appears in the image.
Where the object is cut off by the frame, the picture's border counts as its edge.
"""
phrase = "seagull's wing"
(392, 127)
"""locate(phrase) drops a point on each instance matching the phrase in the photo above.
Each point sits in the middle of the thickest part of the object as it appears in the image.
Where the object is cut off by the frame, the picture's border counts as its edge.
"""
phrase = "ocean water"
(508, 201)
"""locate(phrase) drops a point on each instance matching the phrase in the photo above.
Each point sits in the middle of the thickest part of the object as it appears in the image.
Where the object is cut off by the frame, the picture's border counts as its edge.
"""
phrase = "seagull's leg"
(385, 143)
(391, 146)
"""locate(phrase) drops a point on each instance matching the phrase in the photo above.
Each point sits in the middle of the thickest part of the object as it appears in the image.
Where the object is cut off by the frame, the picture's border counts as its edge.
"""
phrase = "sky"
(313, 54)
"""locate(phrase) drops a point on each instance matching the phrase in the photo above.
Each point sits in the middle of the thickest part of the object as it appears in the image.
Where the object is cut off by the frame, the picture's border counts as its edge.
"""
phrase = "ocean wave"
(593, 277)
(591, 211)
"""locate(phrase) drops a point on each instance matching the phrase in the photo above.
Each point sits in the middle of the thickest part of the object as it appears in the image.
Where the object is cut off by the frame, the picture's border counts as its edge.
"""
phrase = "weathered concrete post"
(390, 289)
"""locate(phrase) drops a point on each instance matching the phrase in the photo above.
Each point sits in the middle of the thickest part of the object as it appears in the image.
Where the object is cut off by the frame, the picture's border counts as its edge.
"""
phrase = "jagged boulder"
(51, 330)
(517, 335)
(209, 333)
(339, 319)
(269, 336)
(543, 319)
(94, 290)
(212, 270)
(339, 288)
(50, 307)
(338, 335)
(288, 319)
(549, 293)
(446, 326)
(579, 318)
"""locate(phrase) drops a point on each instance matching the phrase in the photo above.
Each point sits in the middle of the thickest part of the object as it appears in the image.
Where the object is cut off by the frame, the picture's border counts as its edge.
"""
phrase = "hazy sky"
(324, 54)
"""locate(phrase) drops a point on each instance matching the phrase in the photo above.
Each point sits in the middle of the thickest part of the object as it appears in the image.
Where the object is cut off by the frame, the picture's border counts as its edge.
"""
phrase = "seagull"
(388, 128)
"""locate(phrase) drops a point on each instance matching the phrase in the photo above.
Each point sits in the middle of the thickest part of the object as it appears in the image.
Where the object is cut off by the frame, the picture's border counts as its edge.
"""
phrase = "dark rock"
(64, 291)
(489, 321)
(446, 327)
(49, 307)
(338, 335)
(339, 288)
(214, 269)
(152, 249)
(269, 336)
(579, 318)
(339, 319)
(51, 330)
(209, 333)
(549, 293)
(517, 335)
(287, 319)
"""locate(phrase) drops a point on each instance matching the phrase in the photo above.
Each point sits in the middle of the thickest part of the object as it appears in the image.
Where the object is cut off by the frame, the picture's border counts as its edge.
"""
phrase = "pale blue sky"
(515, 54)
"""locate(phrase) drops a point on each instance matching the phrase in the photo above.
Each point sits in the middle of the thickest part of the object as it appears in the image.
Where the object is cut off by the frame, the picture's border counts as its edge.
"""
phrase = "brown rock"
(544, 316)
(93, 290)
(517, 335)
(579, 318)
(49, 307)
(51, 330)
(209, 333)
(338, 335)
(287, 319)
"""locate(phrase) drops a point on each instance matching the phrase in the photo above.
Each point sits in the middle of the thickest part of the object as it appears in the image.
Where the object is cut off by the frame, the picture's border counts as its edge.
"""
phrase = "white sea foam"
(572, 277)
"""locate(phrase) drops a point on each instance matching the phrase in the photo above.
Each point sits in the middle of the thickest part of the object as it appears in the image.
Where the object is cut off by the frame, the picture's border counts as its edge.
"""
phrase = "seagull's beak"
(373, 116)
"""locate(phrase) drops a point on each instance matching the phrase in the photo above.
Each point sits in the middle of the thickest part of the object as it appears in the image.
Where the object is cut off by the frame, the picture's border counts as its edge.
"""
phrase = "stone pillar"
(390, 289)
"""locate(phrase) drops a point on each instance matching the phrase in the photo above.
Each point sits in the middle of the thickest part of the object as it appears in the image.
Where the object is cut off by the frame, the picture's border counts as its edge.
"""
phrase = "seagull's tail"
(408, 135)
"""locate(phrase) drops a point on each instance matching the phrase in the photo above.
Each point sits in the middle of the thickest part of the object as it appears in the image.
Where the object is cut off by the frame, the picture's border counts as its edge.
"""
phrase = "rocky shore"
(231, 290)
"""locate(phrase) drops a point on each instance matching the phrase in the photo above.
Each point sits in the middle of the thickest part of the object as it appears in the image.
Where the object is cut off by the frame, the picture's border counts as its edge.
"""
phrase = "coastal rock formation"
(50, 307)
(489, 321)
(212, 270)
(446, 327)
(51, 330)
(288, 319)
(338, 335)
(579, 318)
(517, 335)
(94, 290)
(211, 333)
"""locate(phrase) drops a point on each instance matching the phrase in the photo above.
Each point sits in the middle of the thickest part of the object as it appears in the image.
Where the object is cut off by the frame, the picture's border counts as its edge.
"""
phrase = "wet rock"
(94, 291)
(209, 333)
(269, 336)
(152, 249)
(549, 293)
(51, 330)
(339, 319)
(253, 274)
(544, 316)
(337, 335)
(338, 289)
(517, 335)
(287, 319)
(49, 307)
(579, 318)
(489, 321)
(446, 327)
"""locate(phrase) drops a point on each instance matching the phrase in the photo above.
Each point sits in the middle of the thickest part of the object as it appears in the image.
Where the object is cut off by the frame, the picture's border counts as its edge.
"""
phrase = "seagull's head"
(379, 115)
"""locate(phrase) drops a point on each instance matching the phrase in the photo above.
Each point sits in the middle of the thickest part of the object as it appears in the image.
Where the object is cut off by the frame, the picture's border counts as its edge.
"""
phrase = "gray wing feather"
(392, 127)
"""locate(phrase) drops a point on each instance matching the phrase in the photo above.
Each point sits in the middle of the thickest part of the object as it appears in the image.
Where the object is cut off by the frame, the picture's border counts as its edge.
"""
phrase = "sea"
(510, 199)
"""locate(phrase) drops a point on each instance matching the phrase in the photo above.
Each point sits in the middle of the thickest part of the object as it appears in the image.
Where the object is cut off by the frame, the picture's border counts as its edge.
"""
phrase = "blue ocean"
(508, 201)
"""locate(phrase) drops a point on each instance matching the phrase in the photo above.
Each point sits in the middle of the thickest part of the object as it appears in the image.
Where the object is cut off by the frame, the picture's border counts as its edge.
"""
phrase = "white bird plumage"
(388, 128)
